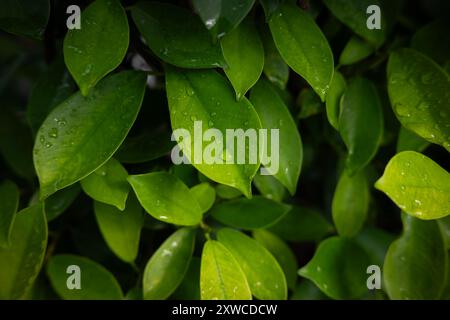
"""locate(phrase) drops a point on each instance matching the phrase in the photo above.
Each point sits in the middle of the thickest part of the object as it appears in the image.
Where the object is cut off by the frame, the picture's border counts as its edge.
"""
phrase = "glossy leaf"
(121, 229)
(226, 192)
(409, 141)
(9, 202)
(406, 276)
(244, 54)
(354, 51)
(222, 16)
(97, 283)
(353, 14)
(419, 92)
(303, 46)
(270, 187)
(275, 115)
(360, 123)
(350, 203)
(25, 17)
(221, 277)
(108, 184)
(257, 212)
(166, 198)
(333, 99)
(99, 46)
(264, 275)
(82, 133)
(21, 261)
(168, 265)
(337, 253)
(176, 36)
(417, 184)
(281, 252)
(205, 195)
(301, 224)
(207, 97)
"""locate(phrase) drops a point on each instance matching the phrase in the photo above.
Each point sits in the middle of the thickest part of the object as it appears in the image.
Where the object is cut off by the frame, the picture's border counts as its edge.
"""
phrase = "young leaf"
(350, 203)
(275, 115)
(257, 212)
(409, 141)
(270, 187)
(417, 185)
(281, 252)
(301, 224)
(354, 51)
(21, 261)
(25, 17)
(353, 14)
(303, 46)
(176, 36)
(121, 230)
(222, 16)
(408, 275)
(71, 143)
(244, 55)
(166, 268)
(205, 195)
(360, 123)
(332, 102)
(9, 202)
(166, 198)
(419, 92)
(96, 282)
(99, 46)
(108, 184)
(221, 277)
(199, 100)
(264, 275)
(343, 254)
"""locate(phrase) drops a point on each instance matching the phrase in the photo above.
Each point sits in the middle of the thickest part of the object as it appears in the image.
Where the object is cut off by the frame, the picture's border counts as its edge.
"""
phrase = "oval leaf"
(166, 268)
(166, 198)
(9, 202)
(221, 277)
(417, 185)
(332, 102)
(264, 275)
(270, 187)
(205, 195)
(71, 142)
(99, 46)
(354, 51)
(409, 141)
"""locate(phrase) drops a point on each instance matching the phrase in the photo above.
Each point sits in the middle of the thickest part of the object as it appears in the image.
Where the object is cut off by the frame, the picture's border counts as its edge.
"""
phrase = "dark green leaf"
(332, 102)
(409, 141)
(9, 202)
(270, 187)
(354, 51)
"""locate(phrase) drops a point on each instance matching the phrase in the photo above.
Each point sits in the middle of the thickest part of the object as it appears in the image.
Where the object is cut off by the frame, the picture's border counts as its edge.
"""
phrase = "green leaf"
(21, 261)
(419, 92)
(222, 16)
(54, 86)
(375, 242)
(417, 185)
(206, 96)
(25, 17)
(353, 14)
(281, 251)
(166, 198)
(9, 202)
(360, 123)
(275, 115)
(354, 51)
(270, 187)
(444, 224)
(221, 277)
(244, 55)
(257, 212)
(58, 202)
(166, 268)
(333, 99)
(433, 40)
(82, 133)
(351, 203)
(121, 229)
(303, 46)
(301, 224)
(176, 36)
(341, 254)
(270, 6)
(307, 290)
(264, 275)
(97, 48)
(226, 192)
(409, 141)
(108, 184)
(205, 195)
(416, 264)
(309, 103)
(97, 283)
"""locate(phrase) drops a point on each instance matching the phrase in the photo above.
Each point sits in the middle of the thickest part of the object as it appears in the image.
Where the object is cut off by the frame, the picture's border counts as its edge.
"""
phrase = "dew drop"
(53, 133)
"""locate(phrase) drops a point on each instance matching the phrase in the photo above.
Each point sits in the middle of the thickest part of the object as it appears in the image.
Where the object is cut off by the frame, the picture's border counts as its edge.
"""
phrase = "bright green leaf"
(270, 187)
(205, 195)
(332, 102)
(226, 192)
